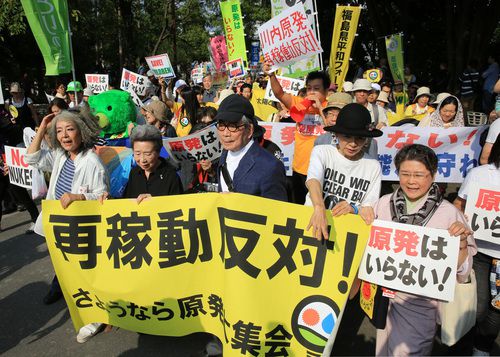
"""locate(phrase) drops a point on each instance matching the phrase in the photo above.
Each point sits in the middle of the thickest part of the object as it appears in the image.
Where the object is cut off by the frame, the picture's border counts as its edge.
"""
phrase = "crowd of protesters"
(336, 131)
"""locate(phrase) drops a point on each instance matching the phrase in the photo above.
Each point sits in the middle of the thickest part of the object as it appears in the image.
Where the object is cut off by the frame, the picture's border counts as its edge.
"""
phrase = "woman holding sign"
(411, 319)
(77, 173)
(487, 261)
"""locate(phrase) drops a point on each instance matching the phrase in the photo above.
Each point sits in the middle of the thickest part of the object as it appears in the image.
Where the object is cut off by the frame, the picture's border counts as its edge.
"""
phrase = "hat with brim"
(440, 97)
(347, 86)
(383, 97)
(233, 108)
(180, 83)
(158, 109)
(15, 88)
(362, 84)
(223, 95)
(422, 91)
(337, 101)
(355, 120)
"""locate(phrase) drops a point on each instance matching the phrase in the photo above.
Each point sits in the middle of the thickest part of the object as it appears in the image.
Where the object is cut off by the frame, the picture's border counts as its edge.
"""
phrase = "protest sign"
(288, 38)
(197, 75)
(235, 68)
(283, 135)
(202, 145)
(263, 107)
(1, 92)
(20, 173)
(97, 82)
(219, 52)
(344, 32)
(483, 210)
(176, 265)
(374, 75)
(161, 66)
(457, 149)
(289, 85)
(135, 98)
(234, 29)
(313, 63)
(131, 80)
(414, 259)
(394, 46)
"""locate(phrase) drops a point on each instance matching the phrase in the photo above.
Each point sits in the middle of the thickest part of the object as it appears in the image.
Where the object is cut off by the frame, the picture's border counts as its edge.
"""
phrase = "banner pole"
(71, 53)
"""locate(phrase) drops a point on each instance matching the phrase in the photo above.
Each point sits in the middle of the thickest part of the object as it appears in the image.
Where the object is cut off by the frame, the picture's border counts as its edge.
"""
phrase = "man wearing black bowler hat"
(244, 166)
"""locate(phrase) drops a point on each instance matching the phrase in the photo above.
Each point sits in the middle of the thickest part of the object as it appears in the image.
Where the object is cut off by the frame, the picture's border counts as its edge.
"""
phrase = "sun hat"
(233, 108)
(354, 120)
(440, 97)
(337, 100)
(422, 91)
(179, 83)
(158, 109)
(347, 86)
(74, 86)
(223, 95)
(383, 97)
(15, 88)
(376, 86)
(362, 84)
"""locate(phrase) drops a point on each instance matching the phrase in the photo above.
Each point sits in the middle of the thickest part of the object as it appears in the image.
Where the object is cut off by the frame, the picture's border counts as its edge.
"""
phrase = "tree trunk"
(164, 27)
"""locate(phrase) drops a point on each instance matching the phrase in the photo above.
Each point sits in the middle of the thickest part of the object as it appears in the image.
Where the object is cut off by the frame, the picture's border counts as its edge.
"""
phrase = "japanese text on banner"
(483, 210)
(130, 269)
(283, 135)
(97, 82)
(134, 81)
(202, 145)
(219, 52)
(458, 149)
(233, 27)
(161, 66)
(344, 31)
(288, 38)
(289, 85)
(413, 259)
(20, 173)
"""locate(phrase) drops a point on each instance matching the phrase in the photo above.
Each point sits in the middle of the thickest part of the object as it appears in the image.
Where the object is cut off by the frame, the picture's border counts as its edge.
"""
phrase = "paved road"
(30, 328)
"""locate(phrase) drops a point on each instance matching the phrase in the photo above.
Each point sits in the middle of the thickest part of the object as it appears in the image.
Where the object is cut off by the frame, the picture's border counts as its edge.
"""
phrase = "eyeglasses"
(232, 127)
(416, 175)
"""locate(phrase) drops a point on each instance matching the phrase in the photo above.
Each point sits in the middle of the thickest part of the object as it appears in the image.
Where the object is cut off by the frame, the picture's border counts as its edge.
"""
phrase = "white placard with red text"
(161, 66)
(202, 145)
(483, 211)
(97, 82)
(236, 68)
(135, 81)
(20, 173)
(288, 38)
(283, 135)
(289, 85)
(413, 259)
(458, 149)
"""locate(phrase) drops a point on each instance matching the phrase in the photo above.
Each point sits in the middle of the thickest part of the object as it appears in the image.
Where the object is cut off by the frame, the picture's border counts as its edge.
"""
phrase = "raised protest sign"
(197, 75)
(394, 46)
(344, 31)
(161, 66)
(97, 82)
(223, 264)
(219, 52)
(235, 68)
(289, 85)
(202, 145)
(131, 80)
(234, 29)
(135, 98)
(414, 259)
(483, 210)
(458, 149)
(288, 37)
(283, 135)
(20, 173)
(263, 107)
(374, 75)
(313, 63)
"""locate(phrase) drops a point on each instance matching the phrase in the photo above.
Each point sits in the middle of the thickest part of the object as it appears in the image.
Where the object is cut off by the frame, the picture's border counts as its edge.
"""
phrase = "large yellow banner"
(237, 266)
(344, 31)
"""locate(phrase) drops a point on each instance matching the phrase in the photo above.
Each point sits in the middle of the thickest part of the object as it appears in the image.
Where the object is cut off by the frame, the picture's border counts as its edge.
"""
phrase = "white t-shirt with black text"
(493, 132)
(357, 182)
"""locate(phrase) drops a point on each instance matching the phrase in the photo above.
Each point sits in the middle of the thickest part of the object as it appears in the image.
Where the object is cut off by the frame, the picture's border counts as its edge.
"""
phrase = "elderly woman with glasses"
(411, 319)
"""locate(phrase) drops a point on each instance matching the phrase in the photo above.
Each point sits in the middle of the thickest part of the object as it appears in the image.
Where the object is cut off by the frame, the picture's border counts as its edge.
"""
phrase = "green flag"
(394, 45)
(48, 20)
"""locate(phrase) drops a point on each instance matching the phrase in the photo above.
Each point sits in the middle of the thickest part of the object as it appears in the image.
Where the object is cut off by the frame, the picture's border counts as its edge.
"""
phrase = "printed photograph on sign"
(236, 68)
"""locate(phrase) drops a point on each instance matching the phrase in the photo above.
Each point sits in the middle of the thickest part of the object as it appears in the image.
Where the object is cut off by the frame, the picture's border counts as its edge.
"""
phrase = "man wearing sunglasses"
(244, 166)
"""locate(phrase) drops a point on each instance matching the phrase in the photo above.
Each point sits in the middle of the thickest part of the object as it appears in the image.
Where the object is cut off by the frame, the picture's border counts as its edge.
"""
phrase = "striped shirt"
(65, 179)
(469, 82)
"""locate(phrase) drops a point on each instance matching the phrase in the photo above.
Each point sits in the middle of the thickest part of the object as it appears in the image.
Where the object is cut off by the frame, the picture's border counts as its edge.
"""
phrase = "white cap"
(362, 84)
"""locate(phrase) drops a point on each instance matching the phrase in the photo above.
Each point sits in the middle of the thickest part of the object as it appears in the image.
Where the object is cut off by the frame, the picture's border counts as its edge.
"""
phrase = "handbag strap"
(227, 178)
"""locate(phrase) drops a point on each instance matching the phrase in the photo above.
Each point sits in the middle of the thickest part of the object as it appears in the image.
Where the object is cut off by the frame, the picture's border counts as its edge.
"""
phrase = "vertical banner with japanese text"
(483, 210)
(344, 31)
(48, 21)
(414, 259)
(288, 38)
(219, 263)
(219, 52)
(233, 27)
(457, 149)
(394, 46)
(313, 63)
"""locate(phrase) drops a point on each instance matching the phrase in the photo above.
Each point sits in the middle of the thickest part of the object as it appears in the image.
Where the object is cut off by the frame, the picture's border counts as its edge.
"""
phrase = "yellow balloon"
(13, 111)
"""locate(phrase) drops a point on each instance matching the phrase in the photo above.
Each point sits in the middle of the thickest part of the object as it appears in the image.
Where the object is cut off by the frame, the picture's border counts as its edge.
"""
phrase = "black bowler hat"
(354, 120)
(233, 108)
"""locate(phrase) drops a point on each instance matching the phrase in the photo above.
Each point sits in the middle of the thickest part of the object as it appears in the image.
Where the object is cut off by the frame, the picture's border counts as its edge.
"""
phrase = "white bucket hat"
(440, 97)
(347, 86)
(383, 97)
(362, 84)
(423, 91)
